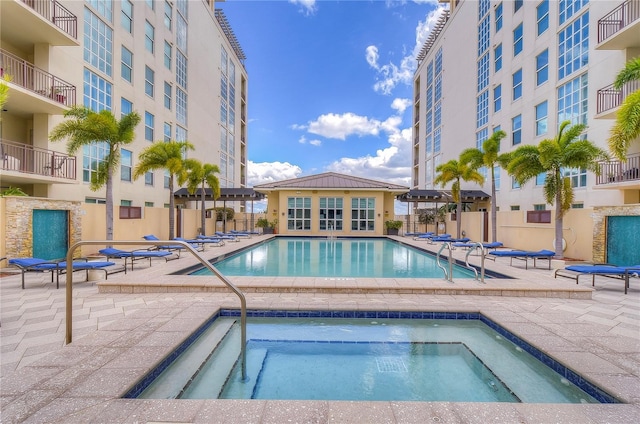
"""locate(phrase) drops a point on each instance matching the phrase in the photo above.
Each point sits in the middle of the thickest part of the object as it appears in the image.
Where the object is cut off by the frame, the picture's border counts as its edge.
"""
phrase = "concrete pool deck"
(120, 335)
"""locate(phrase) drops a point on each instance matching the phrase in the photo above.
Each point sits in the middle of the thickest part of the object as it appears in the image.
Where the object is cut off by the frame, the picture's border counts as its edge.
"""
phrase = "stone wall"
(18, 233)
(600, 215)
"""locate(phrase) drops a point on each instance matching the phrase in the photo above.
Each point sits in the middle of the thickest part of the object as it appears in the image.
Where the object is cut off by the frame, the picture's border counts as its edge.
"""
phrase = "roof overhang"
(420, 196)
(226, 194)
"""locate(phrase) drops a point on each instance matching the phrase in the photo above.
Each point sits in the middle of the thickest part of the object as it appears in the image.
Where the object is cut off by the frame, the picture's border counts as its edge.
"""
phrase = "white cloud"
(390, 75)
(340, 126)
(314, 142)
(400, 105)
(307, 7)
(266, 172)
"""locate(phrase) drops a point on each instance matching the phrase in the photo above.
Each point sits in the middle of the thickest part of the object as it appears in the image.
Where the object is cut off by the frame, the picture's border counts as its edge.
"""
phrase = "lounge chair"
(228, 237)
(135, 255)
(429, 236)
(418, 233)
(604, 270)
(240, 234)
(60, 267)
(176, 248)
(468, 245)
(525, 255)
(449, 239)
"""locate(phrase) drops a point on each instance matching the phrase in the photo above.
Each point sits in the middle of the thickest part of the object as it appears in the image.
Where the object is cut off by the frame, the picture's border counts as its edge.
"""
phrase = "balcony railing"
(618, 19)
(34, 79)
(618, 171)
(27, 159)
(56, 13)
(610, 97)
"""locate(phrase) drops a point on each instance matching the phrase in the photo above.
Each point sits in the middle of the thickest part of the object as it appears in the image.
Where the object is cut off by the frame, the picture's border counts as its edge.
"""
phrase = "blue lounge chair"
(449, 239)
(228, 237)
(418, 233)
(60, 267)
(240, 234)
(468, 245)
(177, 248)
(135, 255)
(525, 255)
(429, 236)
(604, 270)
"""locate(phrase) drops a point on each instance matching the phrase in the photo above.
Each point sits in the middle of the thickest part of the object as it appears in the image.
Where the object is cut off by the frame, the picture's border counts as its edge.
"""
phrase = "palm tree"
(627, 125)
(454, 171)
(488, 157)
(552, 157)
(202, 175)
(86, 127)
(169, 156)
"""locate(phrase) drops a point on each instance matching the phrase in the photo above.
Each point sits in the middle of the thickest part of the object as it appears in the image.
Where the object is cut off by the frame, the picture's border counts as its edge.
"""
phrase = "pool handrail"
(448, 274)
(189, 248)
(475, 246)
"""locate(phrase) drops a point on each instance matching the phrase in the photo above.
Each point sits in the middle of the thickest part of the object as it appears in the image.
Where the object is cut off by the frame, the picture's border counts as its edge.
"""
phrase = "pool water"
(361, 359)
(344, 258)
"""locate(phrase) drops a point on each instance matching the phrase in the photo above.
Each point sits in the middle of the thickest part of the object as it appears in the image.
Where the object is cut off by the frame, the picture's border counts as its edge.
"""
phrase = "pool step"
(236, 389)
(187, 366)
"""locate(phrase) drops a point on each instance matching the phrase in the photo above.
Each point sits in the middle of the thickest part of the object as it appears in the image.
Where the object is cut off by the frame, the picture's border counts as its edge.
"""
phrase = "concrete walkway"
(118, 336)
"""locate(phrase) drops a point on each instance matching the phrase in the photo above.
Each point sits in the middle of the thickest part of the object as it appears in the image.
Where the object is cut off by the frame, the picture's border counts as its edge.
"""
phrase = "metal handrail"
(448, 274)
(69, 289)
(476, 246)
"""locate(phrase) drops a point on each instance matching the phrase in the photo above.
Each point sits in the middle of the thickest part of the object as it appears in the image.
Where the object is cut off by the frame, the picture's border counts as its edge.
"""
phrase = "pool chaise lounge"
(525, 255)
(429, 236)
(624, 273)
(135, 255)
(177, 248)
(60, 267)
(468, 245)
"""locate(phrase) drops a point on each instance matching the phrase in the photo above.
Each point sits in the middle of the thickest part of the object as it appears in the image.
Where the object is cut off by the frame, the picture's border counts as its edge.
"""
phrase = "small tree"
(627, 126)
(453, 172)
(199, 175)
(86, 127)
(552, 157)
(165, 155)
(488, 157)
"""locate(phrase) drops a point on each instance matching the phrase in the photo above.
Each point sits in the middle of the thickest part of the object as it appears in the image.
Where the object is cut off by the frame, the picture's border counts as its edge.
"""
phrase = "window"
(577, 176)
(497, 58)
(437, 135)
(148, 126)
(167, 54)
(539, 216)
(572, 101)
(517, 4)
(103, 7)
(148, 179)
(514, 184)
(577, 206)
(517, 84)
(484, 33)
(497, 98)
(149, 81)
(363, 213)
(542, 14)
(126, 163)
(573, 46)
(181, 69)
(129, 212)
(567, 8)
(149, 36)
(516, 130)
(331, 213)
(542, 67)
(94, 201)
(541, 178)
(98, 43)
(299, 213)
(167, 131)
(498, 17)
(150, 4)
(126, 69)
(126, 18)
(148, 204)
(97, 92)
(126, 106)
(517, 40)
(483, 72)
(496, 176)
(181, 106)
(482, 109)
(167, 95)
(541, 118)
(515, 207)
(167, 179)
(168, 15)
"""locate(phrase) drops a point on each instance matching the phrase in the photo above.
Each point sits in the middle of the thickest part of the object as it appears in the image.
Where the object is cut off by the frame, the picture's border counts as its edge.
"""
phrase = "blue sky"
(330, 84)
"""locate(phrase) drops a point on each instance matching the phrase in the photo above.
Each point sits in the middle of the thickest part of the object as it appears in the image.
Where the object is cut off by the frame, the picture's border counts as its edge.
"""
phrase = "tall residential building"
(176, 62)
(524, 67)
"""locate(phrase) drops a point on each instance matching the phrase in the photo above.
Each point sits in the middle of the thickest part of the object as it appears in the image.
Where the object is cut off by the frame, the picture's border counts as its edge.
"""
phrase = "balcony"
(25, 23)
(620, 28)
(615, 172)
(609, 98)
(37, 91)
(24, 164)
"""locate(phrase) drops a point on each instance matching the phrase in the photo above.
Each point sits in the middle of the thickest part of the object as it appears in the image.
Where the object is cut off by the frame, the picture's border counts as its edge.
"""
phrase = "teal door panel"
(50, 234)
(623, 240)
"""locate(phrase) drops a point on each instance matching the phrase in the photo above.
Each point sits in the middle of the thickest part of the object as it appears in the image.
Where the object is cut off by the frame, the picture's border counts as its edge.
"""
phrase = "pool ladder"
(448, 271)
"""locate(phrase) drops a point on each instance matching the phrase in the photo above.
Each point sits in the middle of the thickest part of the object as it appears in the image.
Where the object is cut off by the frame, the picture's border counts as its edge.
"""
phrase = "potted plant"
(267, 227)
(392, 227)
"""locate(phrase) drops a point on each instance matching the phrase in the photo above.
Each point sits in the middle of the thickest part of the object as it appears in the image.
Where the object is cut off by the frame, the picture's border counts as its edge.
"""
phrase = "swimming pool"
(345, 258)
(332, 355)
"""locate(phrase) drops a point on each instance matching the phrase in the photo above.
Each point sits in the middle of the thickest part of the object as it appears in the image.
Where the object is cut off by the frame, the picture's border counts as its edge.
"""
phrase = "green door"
(623, 240)
(50, 234)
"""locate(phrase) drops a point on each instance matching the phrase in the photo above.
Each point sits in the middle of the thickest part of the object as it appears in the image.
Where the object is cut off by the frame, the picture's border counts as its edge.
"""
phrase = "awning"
(226, 194)
(419, 196)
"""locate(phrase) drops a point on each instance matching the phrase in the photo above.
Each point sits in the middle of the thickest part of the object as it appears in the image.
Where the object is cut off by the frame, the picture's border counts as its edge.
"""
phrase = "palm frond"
(630, 72)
